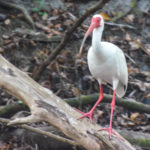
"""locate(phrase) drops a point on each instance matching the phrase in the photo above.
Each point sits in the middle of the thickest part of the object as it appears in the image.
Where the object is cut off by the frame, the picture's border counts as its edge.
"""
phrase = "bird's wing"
(122, 73)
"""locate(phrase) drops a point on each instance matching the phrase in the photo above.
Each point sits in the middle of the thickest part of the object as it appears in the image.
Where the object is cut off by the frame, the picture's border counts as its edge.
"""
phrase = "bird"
(107, 63)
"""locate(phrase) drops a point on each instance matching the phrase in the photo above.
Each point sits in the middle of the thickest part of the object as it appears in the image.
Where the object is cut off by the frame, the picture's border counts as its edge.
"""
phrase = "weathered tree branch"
(90, 99)
(139, 138)
(135, 137)
(36, 130)
(46, 106)
(66, 38)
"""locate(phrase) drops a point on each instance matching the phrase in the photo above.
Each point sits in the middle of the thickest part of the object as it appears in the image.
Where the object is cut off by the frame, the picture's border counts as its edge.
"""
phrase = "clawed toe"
(111, 133)
(79, 111)
(88, 114)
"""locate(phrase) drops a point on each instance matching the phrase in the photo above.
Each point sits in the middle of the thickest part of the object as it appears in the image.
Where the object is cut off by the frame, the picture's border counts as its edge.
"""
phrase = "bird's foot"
(111, 133)
(88, 114)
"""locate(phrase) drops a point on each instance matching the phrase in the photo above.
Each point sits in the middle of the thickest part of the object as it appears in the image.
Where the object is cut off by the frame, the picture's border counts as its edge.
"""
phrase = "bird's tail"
(121, 89)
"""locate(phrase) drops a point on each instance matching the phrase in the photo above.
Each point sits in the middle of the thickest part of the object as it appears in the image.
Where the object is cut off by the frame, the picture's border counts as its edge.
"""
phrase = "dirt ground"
(27, 47)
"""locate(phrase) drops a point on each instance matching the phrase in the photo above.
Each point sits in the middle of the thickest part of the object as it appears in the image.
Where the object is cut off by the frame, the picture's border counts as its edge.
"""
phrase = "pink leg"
(90, 113)
(111, 115)
(111, 118)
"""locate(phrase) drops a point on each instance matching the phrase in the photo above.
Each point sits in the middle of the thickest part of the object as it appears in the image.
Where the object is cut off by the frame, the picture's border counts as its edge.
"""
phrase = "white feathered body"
(107, 63)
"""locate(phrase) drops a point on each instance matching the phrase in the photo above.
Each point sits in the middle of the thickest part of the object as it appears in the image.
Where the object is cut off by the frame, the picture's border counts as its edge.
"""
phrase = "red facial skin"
(96, 21)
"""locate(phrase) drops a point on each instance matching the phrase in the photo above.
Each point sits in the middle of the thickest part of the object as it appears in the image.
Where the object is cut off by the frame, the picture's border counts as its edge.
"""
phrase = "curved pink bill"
(92, 26)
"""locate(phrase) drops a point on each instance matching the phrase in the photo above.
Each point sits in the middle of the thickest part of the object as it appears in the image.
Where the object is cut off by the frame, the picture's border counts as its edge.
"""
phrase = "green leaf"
(45, 14)
(117, 13)
(19, 102)
(42, 3)
(35, 9)
(133, 3)
(40, 13)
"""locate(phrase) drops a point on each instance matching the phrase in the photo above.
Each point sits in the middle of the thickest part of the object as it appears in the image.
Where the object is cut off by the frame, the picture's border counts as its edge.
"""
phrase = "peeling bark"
(46, 106)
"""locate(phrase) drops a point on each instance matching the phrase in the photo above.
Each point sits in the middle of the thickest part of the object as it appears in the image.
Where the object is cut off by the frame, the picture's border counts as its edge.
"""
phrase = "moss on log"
(90, 99)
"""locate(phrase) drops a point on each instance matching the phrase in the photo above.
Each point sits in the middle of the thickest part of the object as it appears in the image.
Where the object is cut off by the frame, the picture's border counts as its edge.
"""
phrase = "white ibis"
(106, 63)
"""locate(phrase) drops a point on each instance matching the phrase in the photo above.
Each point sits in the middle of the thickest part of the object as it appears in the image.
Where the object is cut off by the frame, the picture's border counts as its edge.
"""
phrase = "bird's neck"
(96, 39)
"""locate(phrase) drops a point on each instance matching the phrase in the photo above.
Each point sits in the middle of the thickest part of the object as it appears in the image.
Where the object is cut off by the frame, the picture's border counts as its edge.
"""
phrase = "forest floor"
(27, 48)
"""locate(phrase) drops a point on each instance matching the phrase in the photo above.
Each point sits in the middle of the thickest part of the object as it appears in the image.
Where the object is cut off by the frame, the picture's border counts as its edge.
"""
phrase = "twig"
(74, 18)
(123, 14)
(120, 25)
(143, 27)
(44, 39)
(20, 8)
(36, 36)
(36, 130)
(130, 58)
(67, 36)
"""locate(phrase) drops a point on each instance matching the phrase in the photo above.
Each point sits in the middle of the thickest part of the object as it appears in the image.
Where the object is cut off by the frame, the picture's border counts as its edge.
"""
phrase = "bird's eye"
(99, 19)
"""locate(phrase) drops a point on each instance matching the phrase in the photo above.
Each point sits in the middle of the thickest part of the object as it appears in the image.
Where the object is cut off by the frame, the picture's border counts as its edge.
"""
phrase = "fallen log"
(84, 100)
(46, 106)
(91, 99)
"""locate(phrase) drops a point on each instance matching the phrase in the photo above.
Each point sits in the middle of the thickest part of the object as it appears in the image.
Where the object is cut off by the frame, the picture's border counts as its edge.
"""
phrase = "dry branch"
(20, 8)
(46, 106)
(135, 137)
(123, 14)
(66, 38)
(36, 130)
(120, 25)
